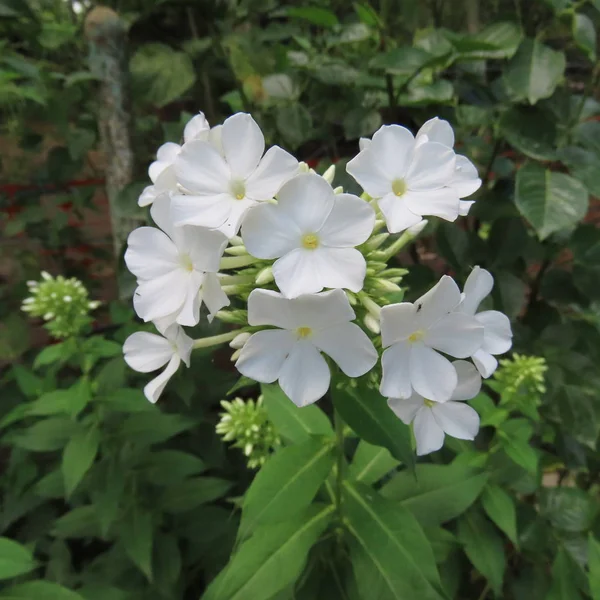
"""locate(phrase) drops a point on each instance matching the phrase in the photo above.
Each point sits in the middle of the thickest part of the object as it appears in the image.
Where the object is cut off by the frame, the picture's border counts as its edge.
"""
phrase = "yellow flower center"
(238, 189)
(304, 332)
(428, 403)
(417, 336)
(310, 241)
(186, 262)
(399, 187)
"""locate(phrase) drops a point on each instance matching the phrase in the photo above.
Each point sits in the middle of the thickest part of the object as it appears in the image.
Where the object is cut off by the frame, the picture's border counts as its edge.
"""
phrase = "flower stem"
(235, 262)
(215, 340)
(339, 480)
(396, 246)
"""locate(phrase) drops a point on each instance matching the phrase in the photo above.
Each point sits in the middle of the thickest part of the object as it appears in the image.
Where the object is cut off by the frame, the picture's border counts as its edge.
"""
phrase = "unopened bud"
(415, 230)
(236, 251)
(372, 324)
(329, 174)
(376, 241)
(387, 286)
(393, 273)
(237, 317)
(265, 276)
(235, 355)
(239, 340)
(338, 190)
(303, 167)
(351, 298)
(236, 240)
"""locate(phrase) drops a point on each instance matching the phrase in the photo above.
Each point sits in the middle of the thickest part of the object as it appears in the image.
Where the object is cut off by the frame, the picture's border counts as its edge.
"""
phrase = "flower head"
(306, 327)
(220, 186)
(146, 352)
(313, 233)
(497, 333)
(432, 420)
(415, 334)
(175, 268)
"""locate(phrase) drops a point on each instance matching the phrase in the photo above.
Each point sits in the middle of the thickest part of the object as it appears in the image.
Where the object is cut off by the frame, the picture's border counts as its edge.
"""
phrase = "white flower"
(433, 420)
(222, 186)
(161, 170)
(312, 232)
(146, 352)
(465, 180)
(497, 333)
(307, 326)
(414, 334)
(409, 179)
(175, 268)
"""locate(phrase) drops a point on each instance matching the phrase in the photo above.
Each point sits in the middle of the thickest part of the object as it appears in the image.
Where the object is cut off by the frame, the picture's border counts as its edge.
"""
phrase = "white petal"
(214, 138)
(365, 169)
(438, 130)
(162, 296)
(469, 381)
(465, 180)
(304, 375)
(160, 212)
(150, 253)
(264, 353)
(145, 352)
(204, 247)
(204, 211)
(182, 341)
(243, 144)
(443, 203)
(196, 128)
(239, 210)
(168, 152)
(428, 434)
(363, 143)
(464, 206)
(213, 295)
(441, 299)
(432, 167)
(154, 388)
(276, 167)
(478, 286)
(397, 215)
(406, 409)
(166, 180)
(457, 419)
(349, 224)
(296, 273)
(395, 381)
(269, 232)
(349, 346)
(201, 169)
(189, 314)
(266, 307)
(431, 374)
(392, 147)
(148, 195)
(397, 322)
(456, 334)
(497, 333)
(486, 364)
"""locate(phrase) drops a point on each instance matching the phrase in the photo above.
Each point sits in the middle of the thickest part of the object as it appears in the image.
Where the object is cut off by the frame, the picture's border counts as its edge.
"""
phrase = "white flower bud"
(329, 174)
(372, 324)
(415, 230)
(338, 190)
(265, 276)
(236, 251)
(239, 340)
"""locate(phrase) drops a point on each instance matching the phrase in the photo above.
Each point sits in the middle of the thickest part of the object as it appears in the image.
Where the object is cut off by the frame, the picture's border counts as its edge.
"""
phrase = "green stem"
(235, 262)
(396, 246)
(339, 479)
(215, 340)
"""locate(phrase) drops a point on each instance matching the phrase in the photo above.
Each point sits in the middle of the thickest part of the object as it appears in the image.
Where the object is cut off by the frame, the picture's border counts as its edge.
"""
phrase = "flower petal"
(465, 180)
(432, 166)
(182, 341)
(457, 419)
(213, 295)
(160, 211)
(443, 203)
(392, 147)
(395, 380)
(406, 409)
(428, 434)
(464, 206)
(269, 232)
(456, 334)
(154, 388)
(204, 247)
(397, 322)
(189, 314)
(497, 333)
(201, 169)
(437, 130)
(264, 353)
(296, 273)
(469, 381)
(145, 352)
(162, 296)
(441, 299)
(432, 375)
(266, 307)
(478, 286)
(486, 364)
(168, 152)
(304, 375)
(276, 167)
(148, 195)
(365, 169)
(349, 346)
(397, 215)
(239, 210)
(340, 268)
(243, 144)
(196, 128)
(150, 253)
(349, 224)
(204, 211)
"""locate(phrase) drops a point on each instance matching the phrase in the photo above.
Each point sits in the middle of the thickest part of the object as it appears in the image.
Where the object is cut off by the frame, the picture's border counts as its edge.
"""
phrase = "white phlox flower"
(409, 180)
(432, 420)
(313, 233)
(220, 186)
(465, 180)
(306, 327)
(161, 171)
(497, 332)
(146, 352)
(415, 334)
(176, 269)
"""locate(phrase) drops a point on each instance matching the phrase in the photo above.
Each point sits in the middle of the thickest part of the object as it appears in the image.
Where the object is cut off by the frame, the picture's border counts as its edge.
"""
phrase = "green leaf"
(549, 201)
(78, 457)
(315, 15)
(136, 535)
(404, 61)
(500, 508)
(153, 427)
(484, 548)
(81, 522)
(39, 590)
(366, 411)
(70, 401)
(588, 135)
(294, 123)
(564, 586)
(361, 122)
(534, 71)
(162, 73)
(15, 559)
(496, 41)
(293, 423)
(271, 559)
(530, 131)
(286, 484)
(60, 352)
(583, 165)
(584, 34)
(436, 493)
(30, 384)
(167, 467)
(370, 463)
(568, 509)
(367, 14)
(397, 559)
(192, 493)
(47, 435)
(522, 453)
(594, 566)
(441, 91)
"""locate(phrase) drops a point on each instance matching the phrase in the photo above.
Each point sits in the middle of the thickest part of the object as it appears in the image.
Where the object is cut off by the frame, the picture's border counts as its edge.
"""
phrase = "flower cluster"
(63, 303)
(311, 269)
(522, 377)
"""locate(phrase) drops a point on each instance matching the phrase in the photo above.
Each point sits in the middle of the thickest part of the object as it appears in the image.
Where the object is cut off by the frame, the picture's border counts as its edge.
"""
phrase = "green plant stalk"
(215, 340)
(340, 464)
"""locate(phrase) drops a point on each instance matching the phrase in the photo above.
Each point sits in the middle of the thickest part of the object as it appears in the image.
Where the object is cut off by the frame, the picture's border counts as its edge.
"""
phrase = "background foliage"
(107, 497)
